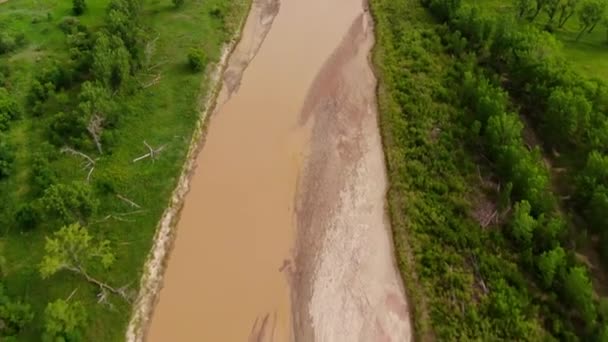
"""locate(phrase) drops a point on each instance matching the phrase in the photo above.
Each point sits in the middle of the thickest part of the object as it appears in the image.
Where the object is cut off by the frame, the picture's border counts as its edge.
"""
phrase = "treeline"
(462, 277)
(77, 99)
(589, 13)
(570, 113)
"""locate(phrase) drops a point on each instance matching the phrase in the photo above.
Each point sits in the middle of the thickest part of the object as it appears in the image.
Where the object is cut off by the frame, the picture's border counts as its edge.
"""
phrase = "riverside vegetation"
(87, 87)
(496, 152)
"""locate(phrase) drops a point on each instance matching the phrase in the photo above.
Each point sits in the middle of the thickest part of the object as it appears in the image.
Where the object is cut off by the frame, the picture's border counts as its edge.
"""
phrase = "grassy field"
(588, 55)
(162, 114)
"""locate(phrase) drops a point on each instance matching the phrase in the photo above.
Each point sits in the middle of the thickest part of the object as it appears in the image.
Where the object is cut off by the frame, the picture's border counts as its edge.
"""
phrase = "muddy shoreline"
(345, 175)
(151, 280)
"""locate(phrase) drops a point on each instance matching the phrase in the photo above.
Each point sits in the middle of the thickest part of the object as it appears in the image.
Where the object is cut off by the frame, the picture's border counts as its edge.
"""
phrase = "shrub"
(27, 217)
(178, 3)
(7, 156)
(196, 59)
(78, 6)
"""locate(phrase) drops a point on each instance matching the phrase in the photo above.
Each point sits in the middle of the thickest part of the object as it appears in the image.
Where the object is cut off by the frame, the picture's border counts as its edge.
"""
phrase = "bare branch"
(95, 128)
(133, 204)
(71, 294)
(152, 154)
(78, 153)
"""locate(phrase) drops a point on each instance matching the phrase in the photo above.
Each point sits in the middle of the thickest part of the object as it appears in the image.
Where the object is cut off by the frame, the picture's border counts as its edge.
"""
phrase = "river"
(283, 235)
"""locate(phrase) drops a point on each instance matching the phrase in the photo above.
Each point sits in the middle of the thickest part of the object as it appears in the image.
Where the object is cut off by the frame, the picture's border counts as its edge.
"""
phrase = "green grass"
(162, 114)
(588, 55)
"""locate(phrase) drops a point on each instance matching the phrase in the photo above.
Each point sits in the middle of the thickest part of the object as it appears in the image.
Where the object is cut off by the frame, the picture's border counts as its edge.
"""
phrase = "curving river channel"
(284, 235)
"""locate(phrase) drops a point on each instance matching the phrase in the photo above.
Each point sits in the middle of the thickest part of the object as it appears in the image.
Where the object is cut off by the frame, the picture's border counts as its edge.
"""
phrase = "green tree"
(78, 7)
(111, 61)
(590, 14)
(568, 115)
(196, 59)
(7, 157)
(523, 224)
(9, 110)
(64, 321)
(541, 5)
(594, 175)
(525, 8)
(567, 8)
(178, 3)
(68, 203)
(74, 250)
(95, 106)
(503, 130)
(551, 8)
(550, 263)
(14, 315)
(579, 292)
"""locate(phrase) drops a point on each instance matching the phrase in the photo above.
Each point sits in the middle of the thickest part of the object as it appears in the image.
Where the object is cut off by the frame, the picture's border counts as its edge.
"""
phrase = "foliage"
(9, 109)
(590, 14)
(14, 315)
(196, 59)
(78, 7)
(7, 157)
(73, 249)
(178, 3)
(64, 321)
(68, 203)
(579, 292)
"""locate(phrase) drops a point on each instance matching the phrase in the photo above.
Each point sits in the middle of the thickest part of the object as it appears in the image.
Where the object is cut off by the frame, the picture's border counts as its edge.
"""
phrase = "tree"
(568, 115)
(523, 224)
(567, 8)
(9, 110)
(64, 321)
(78, 7)
(74, 250)
(69, 203)
(525, 8)
(579, 292)
(14, 315)
(196, 59)
(551, 8)
(111, 61)
(178, 3)
(551, 263)
(590, 14)
(7, 157)
(540, 6)
(95, 105)
(503, 130)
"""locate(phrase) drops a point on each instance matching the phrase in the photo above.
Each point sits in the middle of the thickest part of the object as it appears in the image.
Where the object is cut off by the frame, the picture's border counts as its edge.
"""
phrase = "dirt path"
(266, 251)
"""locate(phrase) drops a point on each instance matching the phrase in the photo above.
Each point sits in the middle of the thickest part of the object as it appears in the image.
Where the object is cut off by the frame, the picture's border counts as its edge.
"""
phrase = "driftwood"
(71, 295)
(154, 81)
(95, 127)
(103, 287)
(490, 219)
(482, 283)
(131, 203)
(152, 154)
(89, 163)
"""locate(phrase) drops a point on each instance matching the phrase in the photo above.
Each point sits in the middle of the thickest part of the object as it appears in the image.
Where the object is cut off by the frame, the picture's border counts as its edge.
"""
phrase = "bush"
(27, 217)
(7, 156)
(78, 6)
(178, 3)
(8, 42)
(71, 25)
(196, 59)
(9, 109)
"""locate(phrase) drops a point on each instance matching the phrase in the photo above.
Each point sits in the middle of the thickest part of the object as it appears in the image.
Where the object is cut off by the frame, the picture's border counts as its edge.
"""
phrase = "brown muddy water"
(283, 235)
